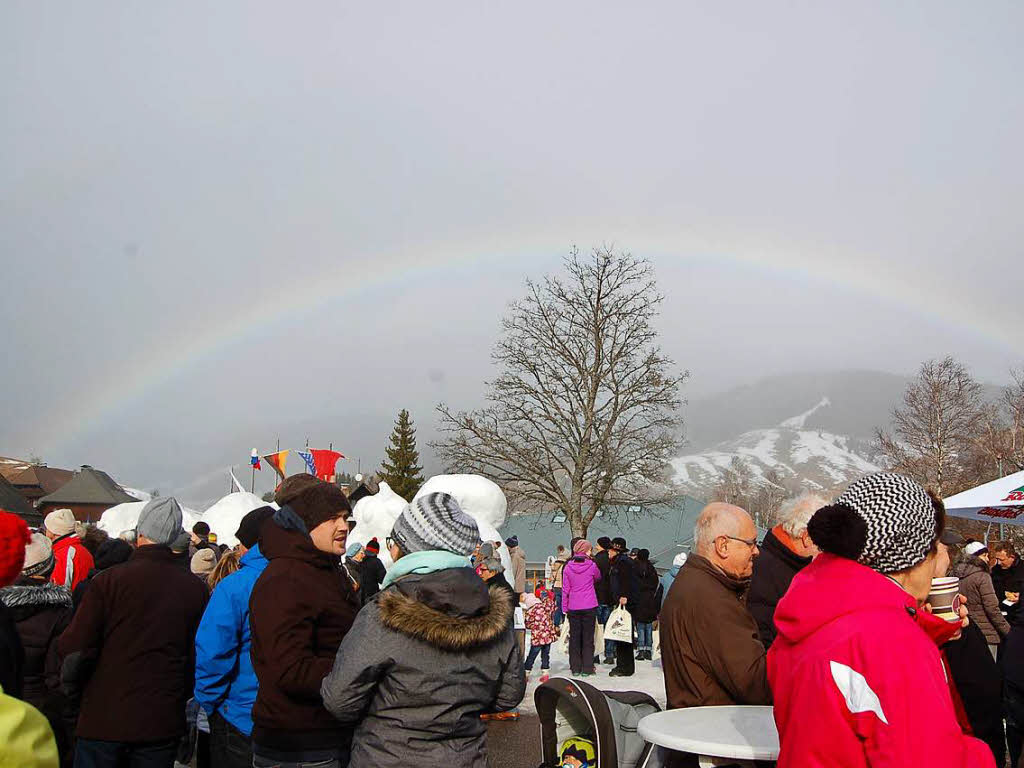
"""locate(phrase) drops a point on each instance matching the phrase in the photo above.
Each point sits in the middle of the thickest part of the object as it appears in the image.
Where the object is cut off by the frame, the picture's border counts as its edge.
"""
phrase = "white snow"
(481, 499)
(833, 449)
(140, 495)
(649, 677)
(375, 517)
(124, 517)
(797, 422)
(225, 515)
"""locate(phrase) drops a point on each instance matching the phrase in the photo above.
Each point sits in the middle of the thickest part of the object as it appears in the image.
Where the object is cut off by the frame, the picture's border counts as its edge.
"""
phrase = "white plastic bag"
(619, 628)
(520, 618)
(563, 639)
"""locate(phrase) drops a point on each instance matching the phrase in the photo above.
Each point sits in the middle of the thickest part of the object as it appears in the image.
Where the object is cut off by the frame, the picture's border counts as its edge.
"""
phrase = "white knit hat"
(975, 547)
(60, 522)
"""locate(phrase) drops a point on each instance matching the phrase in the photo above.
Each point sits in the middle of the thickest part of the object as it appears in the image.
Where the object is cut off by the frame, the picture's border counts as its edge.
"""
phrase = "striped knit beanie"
(435, 521)
(39, 560)
(884, 521)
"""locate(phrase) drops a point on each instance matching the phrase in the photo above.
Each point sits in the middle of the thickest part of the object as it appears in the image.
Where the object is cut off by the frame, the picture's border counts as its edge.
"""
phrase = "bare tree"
(584, 411)
(1002, 440)
(759, 495)
(937, 429)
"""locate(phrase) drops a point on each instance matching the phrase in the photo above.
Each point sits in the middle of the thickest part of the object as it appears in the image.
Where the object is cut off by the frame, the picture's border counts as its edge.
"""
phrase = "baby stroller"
(569, 708)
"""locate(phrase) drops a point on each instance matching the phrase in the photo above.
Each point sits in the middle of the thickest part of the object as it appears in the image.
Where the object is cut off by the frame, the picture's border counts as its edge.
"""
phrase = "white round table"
(717, 735)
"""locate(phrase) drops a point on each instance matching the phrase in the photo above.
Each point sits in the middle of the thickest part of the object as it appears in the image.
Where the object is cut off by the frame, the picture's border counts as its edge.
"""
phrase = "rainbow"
(87, 412)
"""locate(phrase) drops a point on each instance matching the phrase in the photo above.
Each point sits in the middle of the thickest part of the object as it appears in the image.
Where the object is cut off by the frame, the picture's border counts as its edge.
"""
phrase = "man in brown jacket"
(300, 609)
(711, 651)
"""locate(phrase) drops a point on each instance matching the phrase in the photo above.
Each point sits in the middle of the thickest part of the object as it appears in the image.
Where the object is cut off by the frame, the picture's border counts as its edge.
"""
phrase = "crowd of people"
(828, 618)
(282, 651)
(296, 648)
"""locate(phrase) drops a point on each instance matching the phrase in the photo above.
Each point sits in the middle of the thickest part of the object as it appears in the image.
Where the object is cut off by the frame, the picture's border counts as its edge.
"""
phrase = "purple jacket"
(578, 579)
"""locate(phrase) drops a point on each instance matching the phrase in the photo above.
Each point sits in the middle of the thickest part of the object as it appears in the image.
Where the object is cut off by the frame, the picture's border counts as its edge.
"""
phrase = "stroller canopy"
(569, 708)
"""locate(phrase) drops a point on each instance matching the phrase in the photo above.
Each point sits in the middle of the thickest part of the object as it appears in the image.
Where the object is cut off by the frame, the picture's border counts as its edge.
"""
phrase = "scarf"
(427, 561)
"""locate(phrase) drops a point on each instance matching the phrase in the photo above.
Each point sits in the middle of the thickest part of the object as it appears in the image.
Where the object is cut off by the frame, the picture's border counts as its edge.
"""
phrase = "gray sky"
(224, 223)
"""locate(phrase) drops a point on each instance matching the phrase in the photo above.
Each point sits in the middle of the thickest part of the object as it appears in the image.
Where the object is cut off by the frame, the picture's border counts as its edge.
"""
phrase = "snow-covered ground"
(648, 677)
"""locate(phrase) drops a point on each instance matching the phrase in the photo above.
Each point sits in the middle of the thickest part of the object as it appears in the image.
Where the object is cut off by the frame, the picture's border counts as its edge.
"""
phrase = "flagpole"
(253, 486)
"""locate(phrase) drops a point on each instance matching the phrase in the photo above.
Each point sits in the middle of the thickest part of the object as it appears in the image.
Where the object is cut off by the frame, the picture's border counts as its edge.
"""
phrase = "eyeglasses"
(749, 542)
(389, 542)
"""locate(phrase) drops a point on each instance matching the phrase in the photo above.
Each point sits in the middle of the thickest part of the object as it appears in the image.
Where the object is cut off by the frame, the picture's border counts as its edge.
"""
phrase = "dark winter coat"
(710, 649)
(12, 655)
(1008, 580)
(371, 573)
(110, 553)
(501, 583)
(774, 569)
(980, 685)
(648, 593)
(604, 586)
(42, 611)
(982, 603)
(622, 574)
(300, 610)
(423, 660)
(136, 628)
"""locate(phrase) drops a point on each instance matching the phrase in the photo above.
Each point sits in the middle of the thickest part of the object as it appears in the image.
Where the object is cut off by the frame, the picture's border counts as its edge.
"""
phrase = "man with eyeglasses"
(711, 651)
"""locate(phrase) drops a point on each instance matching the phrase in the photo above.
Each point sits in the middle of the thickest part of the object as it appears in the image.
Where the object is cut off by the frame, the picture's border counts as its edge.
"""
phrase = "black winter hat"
(318, 503)
(619, 544)
(248, 532)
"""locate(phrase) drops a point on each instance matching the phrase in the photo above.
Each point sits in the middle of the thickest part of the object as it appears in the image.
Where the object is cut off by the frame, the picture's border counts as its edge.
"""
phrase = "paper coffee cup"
(945, 598)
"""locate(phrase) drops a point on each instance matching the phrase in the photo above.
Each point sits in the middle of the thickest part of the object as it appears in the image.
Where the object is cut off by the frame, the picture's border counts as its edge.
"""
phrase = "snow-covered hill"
(813, 459)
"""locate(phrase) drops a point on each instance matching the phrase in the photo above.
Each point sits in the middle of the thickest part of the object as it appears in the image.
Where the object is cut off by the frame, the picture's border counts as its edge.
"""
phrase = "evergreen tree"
(401, 470)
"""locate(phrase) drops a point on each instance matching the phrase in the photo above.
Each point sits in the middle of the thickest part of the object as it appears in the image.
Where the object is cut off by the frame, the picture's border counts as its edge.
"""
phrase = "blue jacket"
(225, 681)
(666, 581)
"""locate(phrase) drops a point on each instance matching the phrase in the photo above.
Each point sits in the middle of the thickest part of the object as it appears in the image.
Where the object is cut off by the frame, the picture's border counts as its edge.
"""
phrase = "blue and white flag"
(307, 457)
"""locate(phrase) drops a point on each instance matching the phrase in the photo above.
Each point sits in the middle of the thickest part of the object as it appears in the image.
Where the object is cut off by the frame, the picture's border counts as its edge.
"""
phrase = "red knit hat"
(14, 536)
(373, 546)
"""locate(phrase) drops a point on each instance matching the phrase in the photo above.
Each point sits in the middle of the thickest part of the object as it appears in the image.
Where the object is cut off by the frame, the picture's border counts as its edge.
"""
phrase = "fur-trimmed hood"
(35, 596)
(452, 609)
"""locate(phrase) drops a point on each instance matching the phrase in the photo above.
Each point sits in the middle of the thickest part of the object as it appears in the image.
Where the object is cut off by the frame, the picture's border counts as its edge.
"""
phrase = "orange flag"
(278, 461)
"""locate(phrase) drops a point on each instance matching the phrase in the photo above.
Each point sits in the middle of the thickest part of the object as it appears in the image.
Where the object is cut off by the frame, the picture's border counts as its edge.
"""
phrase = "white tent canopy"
(1001, 501)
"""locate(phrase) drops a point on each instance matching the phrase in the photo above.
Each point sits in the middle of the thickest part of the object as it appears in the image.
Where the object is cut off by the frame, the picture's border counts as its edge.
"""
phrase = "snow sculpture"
(124, 517)
(375, 517)
(225, 515)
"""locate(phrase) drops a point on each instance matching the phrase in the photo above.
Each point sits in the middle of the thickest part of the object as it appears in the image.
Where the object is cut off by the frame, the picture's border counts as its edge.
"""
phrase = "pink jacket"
(857, 679)
(578, 579)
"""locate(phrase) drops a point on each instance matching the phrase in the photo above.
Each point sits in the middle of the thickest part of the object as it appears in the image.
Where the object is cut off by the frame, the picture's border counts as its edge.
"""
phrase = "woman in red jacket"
(855, 669)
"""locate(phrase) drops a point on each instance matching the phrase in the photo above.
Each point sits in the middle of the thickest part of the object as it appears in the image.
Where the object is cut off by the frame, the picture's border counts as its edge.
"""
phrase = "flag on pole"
(254, 459)
(279, 461)
(308, 458)
(323, 463)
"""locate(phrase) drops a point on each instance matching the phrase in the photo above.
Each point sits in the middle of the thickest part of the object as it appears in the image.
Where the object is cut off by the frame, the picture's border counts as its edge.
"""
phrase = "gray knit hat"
(884, 521)
(435, 521)
(160, 521)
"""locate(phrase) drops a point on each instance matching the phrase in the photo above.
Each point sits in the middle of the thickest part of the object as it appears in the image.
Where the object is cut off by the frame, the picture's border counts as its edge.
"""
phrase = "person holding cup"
(855, 669)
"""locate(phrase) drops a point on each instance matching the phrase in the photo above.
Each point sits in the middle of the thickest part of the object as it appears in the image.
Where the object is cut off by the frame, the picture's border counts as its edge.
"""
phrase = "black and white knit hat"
(884, 521)
(435, 521)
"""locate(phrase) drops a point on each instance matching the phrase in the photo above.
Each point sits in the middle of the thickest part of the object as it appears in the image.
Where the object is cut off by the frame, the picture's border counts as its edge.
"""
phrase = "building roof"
(656, 529)
(89, 486)
(10, 467)
(39, 476)
(11, 500)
